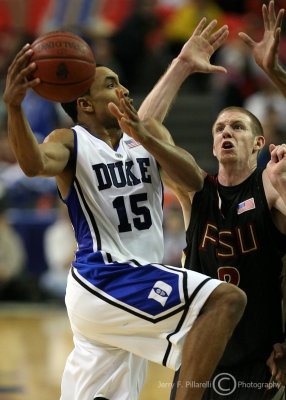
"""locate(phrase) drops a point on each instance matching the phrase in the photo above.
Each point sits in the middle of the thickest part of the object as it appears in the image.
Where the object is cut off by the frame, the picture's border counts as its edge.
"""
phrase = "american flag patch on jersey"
(246, 206)
(132, 143)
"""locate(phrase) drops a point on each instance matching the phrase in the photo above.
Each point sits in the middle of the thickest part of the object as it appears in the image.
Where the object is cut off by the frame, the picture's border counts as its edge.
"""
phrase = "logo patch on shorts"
(160, 292)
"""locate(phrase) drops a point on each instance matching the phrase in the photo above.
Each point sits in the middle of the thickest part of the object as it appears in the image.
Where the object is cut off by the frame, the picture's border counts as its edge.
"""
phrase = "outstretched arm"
(176, 163)
(194, 57)
(47, 159)
(266, 51)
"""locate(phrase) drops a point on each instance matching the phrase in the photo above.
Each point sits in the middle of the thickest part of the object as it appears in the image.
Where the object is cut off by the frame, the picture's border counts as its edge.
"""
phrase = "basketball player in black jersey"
(236, 227)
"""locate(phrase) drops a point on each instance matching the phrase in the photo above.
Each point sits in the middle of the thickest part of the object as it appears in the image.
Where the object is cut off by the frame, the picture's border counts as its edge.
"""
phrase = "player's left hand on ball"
(17, 81)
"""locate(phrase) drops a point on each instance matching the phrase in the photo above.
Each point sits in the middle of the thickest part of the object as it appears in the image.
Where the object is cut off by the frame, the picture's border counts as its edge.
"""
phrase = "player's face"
(233, 138)
(103, 92)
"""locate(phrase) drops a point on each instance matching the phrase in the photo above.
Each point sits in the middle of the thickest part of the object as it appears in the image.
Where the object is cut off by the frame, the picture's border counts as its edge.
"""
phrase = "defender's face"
(102, 92)
(233, 139)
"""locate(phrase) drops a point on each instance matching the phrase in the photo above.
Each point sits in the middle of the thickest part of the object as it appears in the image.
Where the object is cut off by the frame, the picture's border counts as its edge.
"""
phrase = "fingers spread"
(216, 35)
(247, 39)
(200, 26)
(219, 40)
(265, 17)
(206, 32)
(279, 20)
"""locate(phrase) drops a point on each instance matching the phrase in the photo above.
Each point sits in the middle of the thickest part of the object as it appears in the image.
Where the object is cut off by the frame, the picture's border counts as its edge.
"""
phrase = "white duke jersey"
(115, 202)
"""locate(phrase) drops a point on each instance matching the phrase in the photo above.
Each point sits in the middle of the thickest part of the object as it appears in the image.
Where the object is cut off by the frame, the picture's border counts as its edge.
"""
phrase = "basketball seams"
(65, 83)
(65, 66)
(59, 34)
(64, 58)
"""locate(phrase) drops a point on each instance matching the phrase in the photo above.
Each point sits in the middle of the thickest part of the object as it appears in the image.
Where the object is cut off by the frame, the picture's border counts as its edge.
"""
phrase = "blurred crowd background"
(137, 39)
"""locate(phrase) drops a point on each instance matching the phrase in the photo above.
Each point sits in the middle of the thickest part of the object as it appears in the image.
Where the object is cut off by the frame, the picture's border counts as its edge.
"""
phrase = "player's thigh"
(95, 370)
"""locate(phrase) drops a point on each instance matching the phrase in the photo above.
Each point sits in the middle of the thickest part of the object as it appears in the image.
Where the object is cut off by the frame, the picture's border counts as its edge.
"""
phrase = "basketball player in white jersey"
(124, 306)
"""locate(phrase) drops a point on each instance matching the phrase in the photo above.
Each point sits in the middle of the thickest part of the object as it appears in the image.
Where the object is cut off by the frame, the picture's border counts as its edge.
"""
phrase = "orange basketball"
(65, 65)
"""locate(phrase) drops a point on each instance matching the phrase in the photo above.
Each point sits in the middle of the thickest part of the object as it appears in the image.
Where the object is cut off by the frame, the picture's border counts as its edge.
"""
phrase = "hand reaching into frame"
(265, 52)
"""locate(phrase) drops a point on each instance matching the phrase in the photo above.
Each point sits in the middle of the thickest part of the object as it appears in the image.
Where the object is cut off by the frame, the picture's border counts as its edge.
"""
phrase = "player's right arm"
(49, 158)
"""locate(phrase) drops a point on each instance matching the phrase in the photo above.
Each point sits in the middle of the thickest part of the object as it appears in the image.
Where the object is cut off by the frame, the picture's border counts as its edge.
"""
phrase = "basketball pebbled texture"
(65, 66)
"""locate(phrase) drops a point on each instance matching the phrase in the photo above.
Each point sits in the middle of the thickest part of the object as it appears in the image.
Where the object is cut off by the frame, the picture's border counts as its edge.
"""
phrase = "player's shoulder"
(63, 135)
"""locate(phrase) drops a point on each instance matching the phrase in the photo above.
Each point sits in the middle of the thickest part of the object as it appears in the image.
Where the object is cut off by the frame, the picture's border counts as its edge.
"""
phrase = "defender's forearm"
(278, 77)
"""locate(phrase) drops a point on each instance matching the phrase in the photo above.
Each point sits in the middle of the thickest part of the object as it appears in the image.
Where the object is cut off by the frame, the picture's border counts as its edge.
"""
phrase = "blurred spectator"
(23, 16)
(24, 192)
(269, 106)
(180, 26)
(267, 98)
(114, 13)
(42, 114)
(174, 236)
(68, 14)
(59, 249)
(233, 88)
(273, 135)
(6, 155)
(12, 257)
(185, 18)
(174, 231)
(132, 47)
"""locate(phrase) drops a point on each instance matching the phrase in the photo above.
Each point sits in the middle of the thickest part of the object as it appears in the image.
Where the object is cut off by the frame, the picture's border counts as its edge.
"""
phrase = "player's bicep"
(56, 153)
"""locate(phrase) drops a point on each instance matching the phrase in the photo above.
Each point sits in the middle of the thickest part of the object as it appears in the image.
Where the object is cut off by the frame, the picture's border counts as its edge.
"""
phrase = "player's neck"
(229, 176)
(111, 136)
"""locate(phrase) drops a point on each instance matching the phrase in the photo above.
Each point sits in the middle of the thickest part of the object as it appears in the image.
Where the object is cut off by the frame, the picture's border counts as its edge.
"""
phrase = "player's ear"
(259, 142)
(214, 152)
(85, 104)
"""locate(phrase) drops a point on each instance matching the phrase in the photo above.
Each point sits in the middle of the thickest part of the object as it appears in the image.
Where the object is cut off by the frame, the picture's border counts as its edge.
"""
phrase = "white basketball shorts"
(122, 315)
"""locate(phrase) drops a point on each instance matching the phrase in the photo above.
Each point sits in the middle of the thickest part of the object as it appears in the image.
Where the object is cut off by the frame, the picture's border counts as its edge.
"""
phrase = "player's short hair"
(71, 107)
(257, 129)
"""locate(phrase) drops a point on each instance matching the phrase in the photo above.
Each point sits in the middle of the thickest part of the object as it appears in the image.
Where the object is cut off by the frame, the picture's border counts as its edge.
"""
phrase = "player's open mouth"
(227, 145)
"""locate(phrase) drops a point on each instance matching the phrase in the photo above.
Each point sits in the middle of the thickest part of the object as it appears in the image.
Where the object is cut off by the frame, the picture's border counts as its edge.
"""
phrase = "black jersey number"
(143, 219)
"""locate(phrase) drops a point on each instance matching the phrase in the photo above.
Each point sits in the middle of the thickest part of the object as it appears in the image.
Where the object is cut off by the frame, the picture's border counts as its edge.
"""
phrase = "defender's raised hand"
(194, 57)
(198, 50)
(265, 52)
(17, 81)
